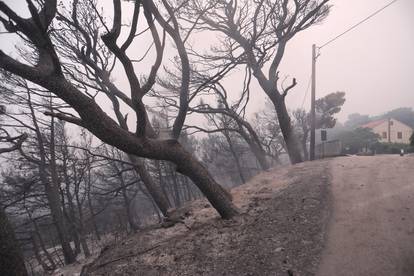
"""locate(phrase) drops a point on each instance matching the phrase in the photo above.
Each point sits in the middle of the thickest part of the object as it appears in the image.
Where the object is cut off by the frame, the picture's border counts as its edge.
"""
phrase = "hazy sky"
(373, 64)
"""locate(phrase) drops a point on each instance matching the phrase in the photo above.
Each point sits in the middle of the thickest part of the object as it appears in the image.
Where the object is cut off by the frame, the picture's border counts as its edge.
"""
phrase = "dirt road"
(372, 228)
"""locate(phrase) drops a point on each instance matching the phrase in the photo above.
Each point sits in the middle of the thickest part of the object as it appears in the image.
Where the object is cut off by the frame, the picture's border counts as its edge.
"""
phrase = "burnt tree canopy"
(256, 33)
(49, 71)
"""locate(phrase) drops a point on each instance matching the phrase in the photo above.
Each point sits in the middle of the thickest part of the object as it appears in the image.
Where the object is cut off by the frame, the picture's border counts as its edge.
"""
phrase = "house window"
(391, 123)
(384, 135)
(399, 135)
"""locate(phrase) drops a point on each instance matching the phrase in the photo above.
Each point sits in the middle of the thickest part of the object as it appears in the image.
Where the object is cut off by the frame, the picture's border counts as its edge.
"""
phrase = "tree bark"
(92, 215)
(127, 203)
(255, 147)
(52, 186)
(175, 186)
(80, 230)
(89, 199)
(58, 218)
(41, 243)
(71, 214)
(235, 157)
(161, 181)
(52, 192)
(152, 187)
(218, 196)
(128, 214)
(251, 139)
(291, 140)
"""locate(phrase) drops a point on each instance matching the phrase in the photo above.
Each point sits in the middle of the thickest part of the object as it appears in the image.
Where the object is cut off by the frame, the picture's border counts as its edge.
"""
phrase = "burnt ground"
(281, 231)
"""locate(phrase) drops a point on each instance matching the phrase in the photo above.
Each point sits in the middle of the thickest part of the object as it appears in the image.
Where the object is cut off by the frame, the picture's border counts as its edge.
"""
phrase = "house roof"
(374, 123)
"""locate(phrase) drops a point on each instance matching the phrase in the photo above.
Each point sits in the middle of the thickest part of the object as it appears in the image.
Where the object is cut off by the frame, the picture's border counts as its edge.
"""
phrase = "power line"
(359, 23)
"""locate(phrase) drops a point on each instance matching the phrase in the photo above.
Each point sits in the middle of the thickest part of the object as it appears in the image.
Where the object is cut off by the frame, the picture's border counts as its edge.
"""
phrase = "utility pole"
(312, 111)
(389, 130)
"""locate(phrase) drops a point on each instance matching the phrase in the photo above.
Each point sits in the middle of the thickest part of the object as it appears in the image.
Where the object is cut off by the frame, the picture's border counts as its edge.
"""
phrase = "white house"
(391, 130)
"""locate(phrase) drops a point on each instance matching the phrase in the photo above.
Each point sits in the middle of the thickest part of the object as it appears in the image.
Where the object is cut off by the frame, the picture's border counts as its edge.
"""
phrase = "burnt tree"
(11, 258)
(256, 34)
(49, 73)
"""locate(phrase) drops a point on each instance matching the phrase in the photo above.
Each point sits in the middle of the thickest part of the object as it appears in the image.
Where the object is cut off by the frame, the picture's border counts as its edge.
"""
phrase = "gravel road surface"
(372, 227)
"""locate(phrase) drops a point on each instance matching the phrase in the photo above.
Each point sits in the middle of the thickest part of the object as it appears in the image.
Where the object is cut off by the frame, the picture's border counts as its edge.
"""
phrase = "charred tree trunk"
(11, 259)
(71, 217)
(152, 187)
(161, 181)
(52, 185)
(41, 242)
(270, 88)
(127, 203)
(291, 140)
(254, 144)
(175, 186)
(260, 156)
(92, 214)
(151, 199)
(218, 196)
(235, 157)
(85, 246)
(256, 149)
(53, 195)
(193, 192)
(89, 200)
(80, 230)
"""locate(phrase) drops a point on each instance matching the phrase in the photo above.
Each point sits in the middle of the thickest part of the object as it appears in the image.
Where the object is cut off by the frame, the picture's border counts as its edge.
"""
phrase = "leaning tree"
(47, 71)
(256, 33)
(204, 87)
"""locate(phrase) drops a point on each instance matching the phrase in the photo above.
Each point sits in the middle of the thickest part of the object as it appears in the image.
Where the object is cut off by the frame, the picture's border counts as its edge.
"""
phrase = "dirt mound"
(280, 232)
